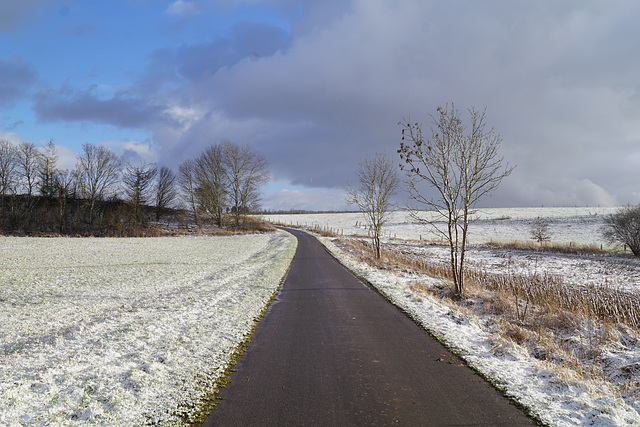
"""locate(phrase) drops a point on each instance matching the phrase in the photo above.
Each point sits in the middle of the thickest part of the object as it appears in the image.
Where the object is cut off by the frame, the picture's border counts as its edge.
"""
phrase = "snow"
(126, 331)
(579, 225)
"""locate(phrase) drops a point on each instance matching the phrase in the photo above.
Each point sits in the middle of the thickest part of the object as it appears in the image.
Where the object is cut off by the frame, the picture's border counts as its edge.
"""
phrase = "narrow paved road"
(332, 352)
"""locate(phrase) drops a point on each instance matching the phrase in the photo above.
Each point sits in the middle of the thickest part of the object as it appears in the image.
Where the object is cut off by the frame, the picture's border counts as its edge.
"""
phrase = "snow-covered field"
(567, 225)
(126, 331)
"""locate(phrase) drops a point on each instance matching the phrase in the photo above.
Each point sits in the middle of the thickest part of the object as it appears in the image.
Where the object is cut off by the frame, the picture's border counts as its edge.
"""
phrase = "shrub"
(624, 227)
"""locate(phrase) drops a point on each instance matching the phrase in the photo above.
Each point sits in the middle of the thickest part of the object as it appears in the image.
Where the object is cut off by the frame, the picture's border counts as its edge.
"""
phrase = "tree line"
(104, 195)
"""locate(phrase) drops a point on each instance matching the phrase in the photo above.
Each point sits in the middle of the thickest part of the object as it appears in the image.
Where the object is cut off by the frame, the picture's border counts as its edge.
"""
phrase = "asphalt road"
(333, 352)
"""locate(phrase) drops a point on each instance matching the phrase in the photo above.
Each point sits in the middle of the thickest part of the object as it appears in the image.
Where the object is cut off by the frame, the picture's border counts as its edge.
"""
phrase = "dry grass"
(551, 246)
(567, 328)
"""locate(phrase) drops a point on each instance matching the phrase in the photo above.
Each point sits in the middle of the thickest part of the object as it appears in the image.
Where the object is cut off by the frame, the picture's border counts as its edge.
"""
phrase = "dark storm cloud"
(16, 79)
(196, 62)
(120, 110)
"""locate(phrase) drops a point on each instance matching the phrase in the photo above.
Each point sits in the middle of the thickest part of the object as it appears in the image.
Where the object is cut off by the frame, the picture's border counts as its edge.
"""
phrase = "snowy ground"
(126, 331)
(554, 394)
(567, 225)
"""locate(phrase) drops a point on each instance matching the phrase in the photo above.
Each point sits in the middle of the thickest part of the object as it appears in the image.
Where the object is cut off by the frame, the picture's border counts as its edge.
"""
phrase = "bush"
(624, 227)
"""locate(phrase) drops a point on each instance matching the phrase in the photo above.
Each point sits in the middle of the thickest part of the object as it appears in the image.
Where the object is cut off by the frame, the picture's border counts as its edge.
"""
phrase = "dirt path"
(332, 352)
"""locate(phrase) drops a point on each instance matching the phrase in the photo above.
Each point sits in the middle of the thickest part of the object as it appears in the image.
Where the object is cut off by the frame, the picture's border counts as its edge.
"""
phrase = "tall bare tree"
(460, 166)
(98, 171)
(210, 182)
(245, 172)
(8, 166)
(28, 161)
(65, 184)
(166, 192)
(187, 181)
(378, 181)
(138, 181)
(47, 169)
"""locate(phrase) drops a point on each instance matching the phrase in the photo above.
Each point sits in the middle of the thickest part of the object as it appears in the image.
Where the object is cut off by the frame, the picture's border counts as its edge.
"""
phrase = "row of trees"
(103, 194)
(447, 172)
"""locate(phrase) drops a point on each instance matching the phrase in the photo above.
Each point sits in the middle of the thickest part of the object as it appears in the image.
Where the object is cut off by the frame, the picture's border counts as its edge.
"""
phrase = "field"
(579, 226)
(567, 368)
(126, 331)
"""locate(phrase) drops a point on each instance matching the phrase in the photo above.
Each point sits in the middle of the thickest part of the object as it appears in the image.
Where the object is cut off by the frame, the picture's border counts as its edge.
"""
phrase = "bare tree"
(166, 192)
(245, 172)
(65, 184)
(461, 167)
(624, 227)
(28, 161)
(98, 171)
(47, 169)
(540, 230)
(377, 182)
(187, 181)
(8, 165)
(210, 182)
(137, 181)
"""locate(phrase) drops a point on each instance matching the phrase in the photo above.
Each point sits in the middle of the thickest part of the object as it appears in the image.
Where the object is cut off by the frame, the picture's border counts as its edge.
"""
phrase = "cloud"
(16, 79)
(122, 110)
(559, 82)
(182, 8)
(197, 62)
(549, 77)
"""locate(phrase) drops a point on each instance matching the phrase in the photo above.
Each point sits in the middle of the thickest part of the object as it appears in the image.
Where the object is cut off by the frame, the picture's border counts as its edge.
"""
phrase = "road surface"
(333, 352)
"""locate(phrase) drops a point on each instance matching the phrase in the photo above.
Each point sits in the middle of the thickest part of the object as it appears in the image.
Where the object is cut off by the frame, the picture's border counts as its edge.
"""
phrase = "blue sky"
(316, 85)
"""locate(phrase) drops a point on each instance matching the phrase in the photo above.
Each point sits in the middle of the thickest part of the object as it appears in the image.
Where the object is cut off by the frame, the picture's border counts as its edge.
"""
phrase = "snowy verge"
(127, 331)
(555, 400)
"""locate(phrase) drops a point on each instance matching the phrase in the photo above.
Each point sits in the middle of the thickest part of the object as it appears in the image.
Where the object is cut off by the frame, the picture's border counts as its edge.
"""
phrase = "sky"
(316, 85)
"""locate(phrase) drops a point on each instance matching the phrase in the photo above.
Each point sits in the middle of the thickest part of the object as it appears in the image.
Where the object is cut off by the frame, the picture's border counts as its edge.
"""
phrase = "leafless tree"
(245, 171)
(47, 169)
(540, 230)
(210, 182)
(138, 181)
(462, 167)
(187, 181)
(28, 161)
(624, 227)
(378, 181)
(166, 192)
(65, 185)
(8, 165)
(98, 171)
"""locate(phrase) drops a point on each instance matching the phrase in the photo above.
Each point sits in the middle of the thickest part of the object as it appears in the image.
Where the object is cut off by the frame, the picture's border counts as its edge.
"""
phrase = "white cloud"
(182, 8)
